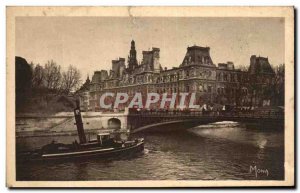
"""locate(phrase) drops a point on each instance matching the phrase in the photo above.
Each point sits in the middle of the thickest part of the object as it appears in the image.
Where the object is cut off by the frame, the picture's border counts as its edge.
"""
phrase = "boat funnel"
(79, 123)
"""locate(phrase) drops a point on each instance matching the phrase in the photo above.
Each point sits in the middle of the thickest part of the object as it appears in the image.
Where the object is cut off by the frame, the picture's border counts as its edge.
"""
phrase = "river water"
(219, 151)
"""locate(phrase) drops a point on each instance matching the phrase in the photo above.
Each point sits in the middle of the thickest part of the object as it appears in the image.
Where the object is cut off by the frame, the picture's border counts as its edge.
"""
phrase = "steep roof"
(197, 55)
(260, 65)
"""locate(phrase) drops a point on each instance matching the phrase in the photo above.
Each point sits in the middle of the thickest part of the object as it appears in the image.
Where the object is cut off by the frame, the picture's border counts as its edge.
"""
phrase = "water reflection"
(240, 133)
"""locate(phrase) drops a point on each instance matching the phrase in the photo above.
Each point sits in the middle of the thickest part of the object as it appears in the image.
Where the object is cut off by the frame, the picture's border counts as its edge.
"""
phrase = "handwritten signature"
(258, 171)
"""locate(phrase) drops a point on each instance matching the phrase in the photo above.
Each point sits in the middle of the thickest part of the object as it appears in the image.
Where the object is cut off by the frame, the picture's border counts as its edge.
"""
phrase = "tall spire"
(88, 79)
(132, 62)
(132, 44)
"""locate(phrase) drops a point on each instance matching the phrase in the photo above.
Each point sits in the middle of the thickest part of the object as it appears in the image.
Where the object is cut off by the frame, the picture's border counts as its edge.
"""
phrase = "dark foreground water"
(218, 151)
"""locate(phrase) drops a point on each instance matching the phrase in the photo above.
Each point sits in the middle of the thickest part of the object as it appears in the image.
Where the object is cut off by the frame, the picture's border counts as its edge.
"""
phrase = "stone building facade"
(213, 84)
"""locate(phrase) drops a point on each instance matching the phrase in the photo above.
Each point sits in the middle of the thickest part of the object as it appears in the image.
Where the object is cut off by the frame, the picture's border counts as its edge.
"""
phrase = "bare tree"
(52, 75)
(70, 80)
(38, 76)
(279, 84)
(243, 68)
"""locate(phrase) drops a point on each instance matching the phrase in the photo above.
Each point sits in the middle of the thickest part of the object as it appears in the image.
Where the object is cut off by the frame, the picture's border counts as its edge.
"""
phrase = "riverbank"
(63, 123)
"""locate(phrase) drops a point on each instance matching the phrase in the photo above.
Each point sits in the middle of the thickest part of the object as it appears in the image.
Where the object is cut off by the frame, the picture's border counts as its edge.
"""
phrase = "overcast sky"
(90, 43)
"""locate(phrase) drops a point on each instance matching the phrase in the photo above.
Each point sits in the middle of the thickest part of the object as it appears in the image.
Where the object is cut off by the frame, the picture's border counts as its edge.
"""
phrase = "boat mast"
(79, 123)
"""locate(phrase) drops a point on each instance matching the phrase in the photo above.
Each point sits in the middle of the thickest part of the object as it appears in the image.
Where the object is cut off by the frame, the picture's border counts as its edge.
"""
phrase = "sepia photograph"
(150, 96)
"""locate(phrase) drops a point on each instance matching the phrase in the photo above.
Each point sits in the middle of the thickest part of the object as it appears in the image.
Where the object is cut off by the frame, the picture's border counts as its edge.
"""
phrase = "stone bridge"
(171, 120)
(138, 121)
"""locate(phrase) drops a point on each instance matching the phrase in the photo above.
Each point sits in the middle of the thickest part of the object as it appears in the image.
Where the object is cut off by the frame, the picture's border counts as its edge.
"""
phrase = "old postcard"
(150, 96)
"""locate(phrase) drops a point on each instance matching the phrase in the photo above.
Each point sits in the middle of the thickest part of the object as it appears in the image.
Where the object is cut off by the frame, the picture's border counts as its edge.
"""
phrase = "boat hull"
(100, 152)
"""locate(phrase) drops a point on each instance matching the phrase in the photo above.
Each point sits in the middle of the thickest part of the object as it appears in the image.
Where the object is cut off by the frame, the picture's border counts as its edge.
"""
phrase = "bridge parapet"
(138, 119)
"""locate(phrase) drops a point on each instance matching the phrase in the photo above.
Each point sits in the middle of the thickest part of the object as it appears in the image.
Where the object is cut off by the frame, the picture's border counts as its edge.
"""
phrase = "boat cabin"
(101, 137)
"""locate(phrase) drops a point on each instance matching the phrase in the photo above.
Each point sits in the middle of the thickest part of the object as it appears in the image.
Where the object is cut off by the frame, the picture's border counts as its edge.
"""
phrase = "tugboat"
(107, 145)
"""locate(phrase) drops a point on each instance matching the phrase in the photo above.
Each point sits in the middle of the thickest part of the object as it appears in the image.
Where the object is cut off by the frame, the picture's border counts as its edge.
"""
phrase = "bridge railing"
(265, 114)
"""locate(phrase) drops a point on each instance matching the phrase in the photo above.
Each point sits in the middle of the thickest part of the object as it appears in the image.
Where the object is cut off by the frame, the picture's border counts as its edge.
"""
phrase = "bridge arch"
(114, 123)
(178, 124)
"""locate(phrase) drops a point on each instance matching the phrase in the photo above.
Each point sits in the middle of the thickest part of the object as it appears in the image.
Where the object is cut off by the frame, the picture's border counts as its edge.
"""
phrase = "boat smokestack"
(79, 123)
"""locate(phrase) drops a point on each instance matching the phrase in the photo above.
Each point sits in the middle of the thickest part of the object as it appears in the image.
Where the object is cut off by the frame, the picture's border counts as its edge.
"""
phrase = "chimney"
(79, 123)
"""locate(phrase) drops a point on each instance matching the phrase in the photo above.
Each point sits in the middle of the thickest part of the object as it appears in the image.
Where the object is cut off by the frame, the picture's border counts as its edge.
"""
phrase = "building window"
(225, 77)
(200, 87)
(187, 88)
(209, 73)
(209, 88)
(232, 77)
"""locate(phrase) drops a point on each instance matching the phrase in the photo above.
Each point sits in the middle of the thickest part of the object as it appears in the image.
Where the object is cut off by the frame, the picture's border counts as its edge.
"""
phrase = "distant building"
(222, 84)
(84, 95)
(261, 78)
